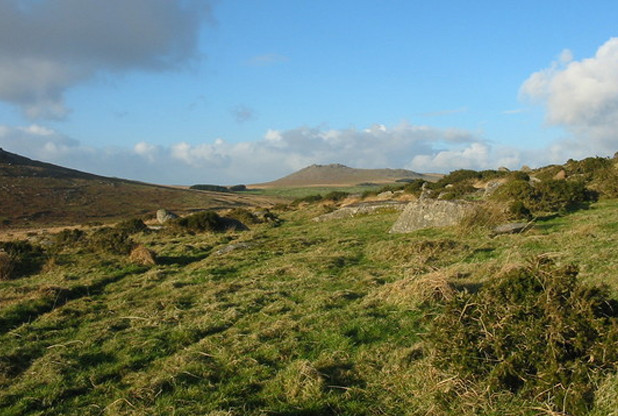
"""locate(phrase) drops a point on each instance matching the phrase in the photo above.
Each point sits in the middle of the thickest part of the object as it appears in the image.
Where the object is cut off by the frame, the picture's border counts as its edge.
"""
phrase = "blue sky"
(243, 91)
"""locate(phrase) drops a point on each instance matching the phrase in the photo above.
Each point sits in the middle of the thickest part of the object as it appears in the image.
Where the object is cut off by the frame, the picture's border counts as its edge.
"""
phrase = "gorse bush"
(132, 226)
(336, 196)
(22, 258)
(68, 237)
(415, 187)
(111, 240)
(243, 215)
(546, 196)
(202, 221)
(536, 332)
(307, 199)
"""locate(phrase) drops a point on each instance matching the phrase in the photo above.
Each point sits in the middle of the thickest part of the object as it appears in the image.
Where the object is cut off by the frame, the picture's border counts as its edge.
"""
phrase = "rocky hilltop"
(337, 174)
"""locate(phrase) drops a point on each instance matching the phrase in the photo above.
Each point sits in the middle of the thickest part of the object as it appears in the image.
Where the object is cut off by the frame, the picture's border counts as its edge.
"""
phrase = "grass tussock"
(141, 255)
(415, 290)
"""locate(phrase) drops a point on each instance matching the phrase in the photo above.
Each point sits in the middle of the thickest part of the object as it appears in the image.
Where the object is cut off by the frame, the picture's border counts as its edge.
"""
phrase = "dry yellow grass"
(415, 290)
(143, 256)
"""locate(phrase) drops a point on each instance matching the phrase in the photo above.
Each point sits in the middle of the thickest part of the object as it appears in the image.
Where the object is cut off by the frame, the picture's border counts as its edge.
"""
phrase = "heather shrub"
(243, 215)
(517, 210)
(6, 266)
(561, 195)
(201, 222)
(546, 196)
(415, 187)
(21, 258)
(110, 240)
(535, 332)
(68, 238)
(132, 226)
(336, 196)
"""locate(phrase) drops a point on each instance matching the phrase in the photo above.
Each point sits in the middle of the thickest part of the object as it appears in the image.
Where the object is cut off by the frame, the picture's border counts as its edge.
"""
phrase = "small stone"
(164, 216)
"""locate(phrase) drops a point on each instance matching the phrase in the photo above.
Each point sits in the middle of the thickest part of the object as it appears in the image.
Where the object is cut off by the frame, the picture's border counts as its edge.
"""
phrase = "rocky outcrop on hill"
(429, 213)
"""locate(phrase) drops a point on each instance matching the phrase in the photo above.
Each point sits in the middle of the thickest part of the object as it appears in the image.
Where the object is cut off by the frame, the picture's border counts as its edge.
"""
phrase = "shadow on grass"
(183, 260)
(55, 297)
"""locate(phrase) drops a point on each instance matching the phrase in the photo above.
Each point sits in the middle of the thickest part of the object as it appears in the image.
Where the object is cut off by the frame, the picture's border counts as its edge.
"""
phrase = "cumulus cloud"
(581, 96)
(277, 153)
(48, 46)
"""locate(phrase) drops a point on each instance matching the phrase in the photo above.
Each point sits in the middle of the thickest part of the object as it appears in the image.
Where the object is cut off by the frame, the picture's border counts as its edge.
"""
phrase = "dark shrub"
(207, 187)
(517, 190)
(111, 240)
(459, 175)
(368, 193)
(25, 258)
(335, 196)
(238, 188)
(202, 221)
(561, 195)
(536, 332)
(415, 187)
(308, 199)
(457, 191)
(132, 226)
(518, 211)
(606, 182)
(68, 238)
(243, 215)
(588, 167)
(519, 176)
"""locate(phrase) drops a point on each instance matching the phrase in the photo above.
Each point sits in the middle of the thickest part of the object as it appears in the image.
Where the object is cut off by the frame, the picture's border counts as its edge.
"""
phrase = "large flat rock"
(430, 213)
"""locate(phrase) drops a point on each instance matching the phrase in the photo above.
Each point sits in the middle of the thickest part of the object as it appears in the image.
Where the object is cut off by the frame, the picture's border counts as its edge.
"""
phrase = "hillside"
(298, 317)
(340, 175)
(35, 194)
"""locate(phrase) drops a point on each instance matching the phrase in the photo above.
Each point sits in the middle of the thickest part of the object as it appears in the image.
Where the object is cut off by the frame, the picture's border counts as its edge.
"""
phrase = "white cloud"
(53, 45)
(581, 96)
(278, 153)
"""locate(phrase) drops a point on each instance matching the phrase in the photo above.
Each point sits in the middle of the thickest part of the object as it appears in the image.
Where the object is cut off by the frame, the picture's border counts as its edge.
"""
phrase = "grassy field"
(302, 319)
(301, 192)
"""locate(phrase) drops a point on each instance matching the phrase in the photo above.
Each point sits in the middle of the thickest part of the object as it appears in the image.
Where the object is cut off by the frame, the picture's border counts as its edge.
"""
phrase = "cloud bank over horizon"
(46, 48)
(278, 153)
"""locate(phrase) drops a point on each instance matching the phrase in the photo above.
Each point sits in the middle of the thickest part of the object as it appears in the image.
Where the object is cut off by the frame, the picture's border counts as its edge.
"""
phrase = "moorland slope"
(298, 317)
(36, 194)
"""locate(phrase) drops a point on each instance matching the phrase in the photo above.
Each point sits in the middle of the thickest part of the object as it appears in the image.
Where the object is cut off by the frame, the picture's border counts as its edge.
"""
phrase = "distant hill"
(341, 175)
(34, 194)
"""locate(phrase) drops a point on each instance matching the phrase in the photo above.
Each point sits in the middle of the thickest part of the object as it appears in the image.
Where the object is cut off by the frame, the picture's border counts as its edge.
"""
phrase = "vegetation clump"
(243, 215)
(143, 256)
(552, 195)
(21, 258)
(202, 222)
(6, 266)
(536, 333)
(68, 237)
(111, 240)
(208, 187)
(132, 226)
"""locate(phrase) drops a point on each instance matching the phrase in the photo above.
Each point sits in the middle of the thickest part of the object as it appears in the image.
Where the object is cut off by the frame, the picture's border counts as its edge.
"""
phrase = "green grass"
(300, 192)
(305, 319)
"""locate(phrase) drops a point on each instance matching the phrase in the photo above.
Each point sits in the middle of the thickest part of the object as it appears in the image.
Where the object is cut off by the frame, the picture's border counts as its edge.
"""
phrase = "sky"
(245, 91)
